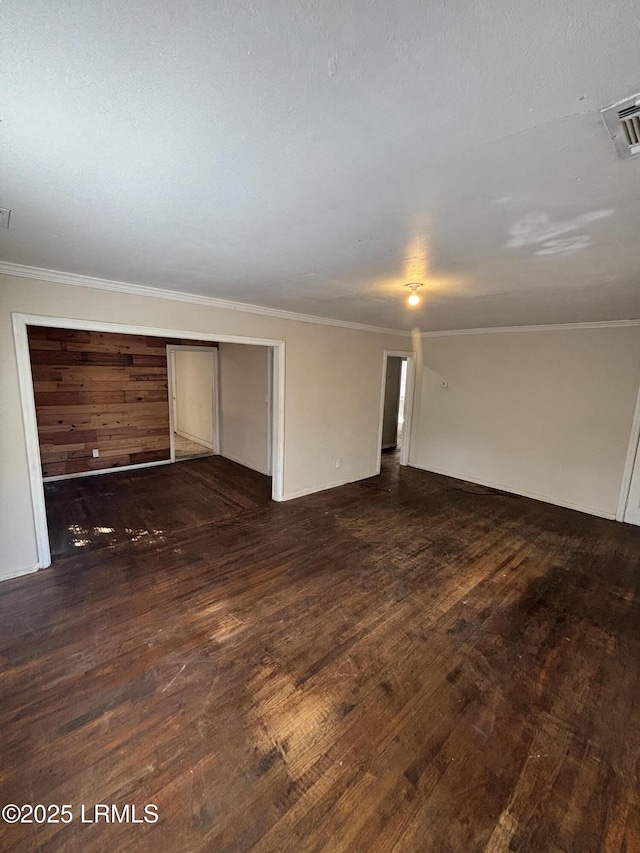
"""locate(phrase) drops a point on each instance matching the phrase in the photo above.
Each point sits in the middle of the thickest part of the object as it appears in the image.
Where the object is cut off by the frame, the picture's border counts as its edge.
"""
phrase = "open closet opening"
(193, 401)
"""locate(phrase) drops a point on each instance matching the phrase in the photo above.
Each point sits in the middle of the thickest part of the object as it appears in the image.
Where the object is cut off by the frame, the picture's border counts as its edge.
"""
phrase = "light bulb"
(414, 296)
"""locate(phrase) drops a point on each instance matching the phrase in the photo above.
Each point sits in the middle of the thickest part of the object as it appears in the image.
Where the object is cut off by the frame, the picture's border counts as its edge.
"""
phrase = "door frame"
(405, 446)
(630, 463)
(27, 397)
(215, 395)
(270, 458)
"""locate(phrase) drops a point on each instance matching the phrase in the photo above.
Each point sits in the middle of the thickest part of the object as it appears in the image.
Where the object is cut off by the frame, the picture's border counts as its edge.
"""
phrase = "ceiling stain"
(540, 229)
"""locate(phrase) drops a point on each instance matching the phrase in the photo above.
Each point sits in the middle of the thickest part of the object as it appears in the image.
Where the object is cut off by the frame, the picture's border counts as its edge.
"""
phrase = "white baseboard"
(195, 438)
(523, 493)
(8, 574)
(105, 471)
(305, 492)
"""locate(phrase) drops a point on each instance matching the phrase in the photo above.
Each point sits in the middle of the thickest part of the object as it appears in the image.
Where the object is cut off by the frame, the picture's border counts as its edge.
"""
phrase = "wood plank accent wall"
(100, 390)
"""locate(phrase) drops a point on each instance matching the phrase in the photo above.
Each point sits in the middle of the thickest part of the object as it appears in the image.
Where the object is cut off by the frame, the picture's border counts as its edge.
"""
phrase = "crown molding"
(59, 277)
(549, 327)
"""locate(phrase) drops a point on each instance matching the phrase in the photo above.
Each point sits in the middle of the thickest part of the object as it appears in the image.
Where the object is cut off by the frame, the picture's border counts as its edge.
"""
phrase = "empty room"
(320, 469)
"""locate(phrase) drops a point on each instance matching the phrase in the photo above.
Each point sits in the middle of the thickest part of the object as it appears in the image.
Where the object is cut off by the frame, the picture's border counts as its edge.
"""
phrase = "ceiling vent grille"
(622, 120)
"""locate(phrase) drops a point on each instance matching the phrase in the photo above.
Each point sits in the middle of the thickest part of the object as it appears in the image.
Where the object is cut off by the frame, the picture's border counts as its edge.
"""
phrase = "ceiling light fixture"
(414, 296)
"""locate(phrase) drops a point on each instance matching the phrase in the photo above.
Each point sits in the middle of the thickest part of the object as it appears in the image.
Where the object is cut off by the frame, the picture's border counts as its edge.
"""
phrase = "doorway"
(193, 401)
(394, 397)
(396, 405)
(21, 322)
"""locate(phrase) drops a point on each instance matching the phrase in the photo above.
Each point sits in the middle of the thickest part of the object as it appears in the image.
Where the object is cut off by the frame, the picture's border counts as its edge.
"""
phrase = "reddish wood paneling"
(100, 390)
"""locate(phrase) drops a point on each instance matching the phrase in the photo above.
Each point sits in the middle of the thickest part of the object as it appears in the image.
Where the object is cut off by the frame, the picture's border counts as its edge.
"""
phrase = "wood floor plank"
(409, 663)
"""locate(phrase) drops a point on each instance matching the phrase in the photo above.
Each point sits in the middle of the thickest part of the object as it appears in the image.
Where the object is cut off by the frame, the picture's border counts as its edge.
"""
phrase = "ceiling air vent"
(622, 120)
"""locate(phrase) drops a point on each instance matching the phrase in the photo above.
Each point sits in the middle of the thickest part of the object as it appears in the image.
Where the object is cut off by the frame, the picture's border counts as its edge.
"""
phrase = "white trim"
(627, 474)
(171, 393)
(277, 436)
(407, 425)
(550, 327)
(408, 405)
(216, 402)
(76, 280)
(20, 323)
(525, 494)
(57, 477)
(27, 397)
(128, 329)
(269, 412)
(9, 574)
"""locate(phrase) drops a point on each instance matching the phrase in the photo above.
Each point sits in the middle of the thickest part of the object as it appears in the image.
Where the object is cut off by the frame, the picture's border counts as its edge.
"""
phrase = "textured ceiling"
(315, 156)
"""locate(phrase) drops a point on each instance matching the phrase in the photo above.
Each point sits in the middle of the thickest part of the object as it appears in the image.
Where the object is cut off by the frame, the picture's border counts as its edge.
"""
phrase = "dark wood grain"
(100, 390)
(410, 663)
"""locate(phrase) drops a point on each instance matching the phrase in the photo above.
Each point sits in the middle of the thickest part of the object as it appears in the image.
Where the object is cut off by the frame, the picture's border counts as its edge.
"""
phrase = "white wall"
(244, 405)
(193, 411)
(544, 413)
(541, 413)
(332, 390)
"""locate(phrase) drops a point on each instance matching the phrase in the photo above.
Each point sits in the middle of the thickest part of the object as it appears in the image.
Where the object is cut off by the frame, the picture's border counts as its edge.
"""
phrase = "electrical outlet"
(95, 452)
(338, 463)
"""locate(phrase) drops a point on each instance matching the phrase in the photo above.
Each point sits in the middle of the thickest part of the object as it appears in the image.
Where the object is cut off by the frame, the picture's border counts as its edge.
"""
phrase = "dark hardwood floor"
(149, 505)
(410, 663)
